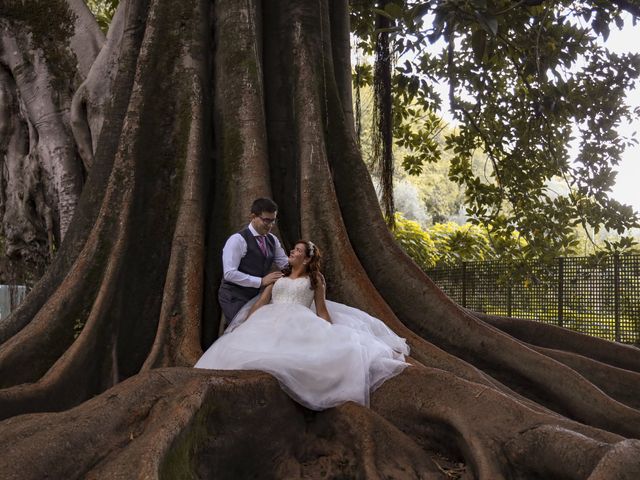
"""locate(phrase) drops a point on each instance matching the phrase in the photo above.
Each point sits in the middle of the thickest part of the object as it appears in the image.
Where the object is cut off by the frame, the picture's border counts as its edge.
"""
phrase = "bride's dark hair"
(313, 267)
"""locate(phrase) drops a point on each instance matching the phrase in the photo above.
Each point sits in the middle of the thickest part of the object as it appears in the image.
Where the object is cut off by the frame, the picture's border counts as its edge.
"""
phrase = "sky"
(627, 187)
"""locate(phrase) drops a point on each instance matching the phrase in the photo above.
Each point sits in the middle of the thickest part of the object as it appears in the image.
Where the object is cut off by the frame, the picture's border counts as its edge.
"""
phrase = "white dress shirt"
(234, 251)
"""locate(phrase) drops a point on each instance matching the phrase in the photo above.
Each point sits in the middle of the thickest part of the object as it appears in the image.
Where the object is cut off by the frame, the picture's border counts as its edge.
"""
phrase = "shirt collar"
(253, 231)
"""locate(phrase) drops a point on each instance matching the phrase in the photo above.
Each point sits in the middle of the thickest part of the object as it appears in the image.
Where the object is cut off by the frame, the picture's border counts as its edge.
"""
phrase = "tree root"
(172, 423)
(189, 422)
(557, 338)
(497, 436)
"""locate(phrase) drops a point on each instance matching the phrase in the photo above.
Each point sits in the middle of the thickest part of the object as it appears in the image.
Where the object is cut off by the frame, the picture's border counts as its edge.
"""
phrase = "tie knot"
(262, 244)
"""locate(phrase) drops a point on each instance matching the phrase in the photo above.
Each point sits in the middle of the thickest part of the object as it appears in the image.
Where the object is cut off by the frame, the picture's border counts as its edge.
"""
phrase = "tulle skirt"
(320, 365)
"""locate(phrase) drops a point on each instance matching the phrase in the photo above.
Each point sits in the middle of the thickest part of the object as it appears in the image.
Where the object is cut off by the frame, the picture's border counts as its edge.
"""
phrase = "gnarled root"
(174, 423)
(177, 422)
(496, 435)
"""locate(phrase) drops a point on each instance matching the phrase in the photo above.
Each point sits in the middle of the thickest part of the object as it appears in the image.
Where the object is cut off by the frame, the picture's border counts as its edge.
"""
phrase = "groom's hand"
(270, 278)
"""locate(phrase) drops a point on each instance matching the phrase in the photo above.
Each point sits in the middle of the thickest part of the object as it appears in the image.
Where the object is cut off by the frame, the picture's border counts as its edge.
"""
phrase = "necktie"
(262, 245)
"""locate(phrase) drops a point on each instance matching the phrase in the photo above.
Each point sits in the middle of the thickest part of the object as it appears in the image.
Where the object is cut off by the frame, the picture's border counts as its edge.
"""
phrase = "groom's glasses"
(268, 221)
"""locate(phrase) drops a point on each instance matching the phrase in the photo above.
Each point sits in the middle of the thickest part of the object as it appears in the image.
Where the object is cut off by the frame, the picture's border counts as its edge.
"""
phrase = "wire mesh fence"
(597, 296)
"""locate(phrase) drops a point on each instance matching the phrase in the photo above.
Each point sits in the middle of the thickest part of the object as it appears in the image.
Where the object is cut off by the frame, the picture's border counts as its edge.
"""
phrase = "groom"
(248, 257)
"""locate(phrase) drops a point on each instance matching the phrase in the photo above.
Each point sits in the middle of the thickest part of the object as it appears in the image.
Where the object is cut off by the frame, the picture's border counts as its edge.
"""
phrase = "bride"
(322, 353)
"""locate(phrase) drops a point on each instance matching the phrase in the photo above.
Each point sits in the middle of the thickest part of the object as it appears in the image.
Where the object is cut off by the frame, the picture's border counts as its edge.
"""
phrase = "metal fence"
(599, 297)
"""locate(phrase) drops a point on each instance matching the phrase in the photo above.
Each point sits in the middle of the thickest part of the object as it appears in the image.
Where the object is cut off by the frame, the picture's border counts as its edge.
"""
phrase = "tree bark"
(43, 177)
(189, 111)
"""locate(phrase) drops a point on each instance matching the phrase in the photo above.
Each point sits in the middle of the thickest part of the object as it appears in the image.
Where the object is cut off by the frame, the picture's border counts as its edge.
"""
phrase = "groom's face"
(264, 222)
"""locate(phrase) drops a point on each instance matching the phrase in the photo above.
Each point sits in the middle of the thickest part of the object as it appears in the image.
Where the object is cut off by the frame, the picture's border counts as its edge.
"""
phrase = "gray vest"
(254, 263)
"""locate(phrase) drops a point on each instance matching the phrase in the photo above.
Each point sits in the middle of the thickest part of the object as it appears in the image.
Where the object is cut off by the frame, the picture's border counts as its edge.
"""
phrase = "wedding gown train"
(318, 364)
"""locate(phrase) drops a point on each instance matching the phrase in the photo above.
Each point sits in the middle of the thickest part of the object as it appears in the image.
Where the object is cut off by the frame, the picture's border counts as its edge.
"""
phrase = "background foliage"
(525, 80)
(103, 10)
(448, 244)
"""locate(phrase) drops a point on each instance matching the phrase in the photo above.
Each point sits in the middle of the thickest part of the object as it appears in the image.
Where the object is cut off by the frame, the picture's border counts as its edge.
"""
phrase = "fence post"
(560, 291)
(616, 293)
(509, 299)
(464, 284)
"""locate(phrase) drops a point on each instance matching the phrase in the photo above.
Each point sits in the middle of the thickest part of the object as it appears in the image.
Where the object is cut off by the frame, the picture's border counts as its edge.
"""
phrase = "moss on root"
(179, 461)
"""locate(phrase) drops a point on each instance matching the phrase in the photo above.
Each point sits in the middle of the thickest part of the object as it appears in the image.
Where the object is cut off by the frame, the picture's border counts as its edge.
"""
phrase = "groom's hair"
(260, 205)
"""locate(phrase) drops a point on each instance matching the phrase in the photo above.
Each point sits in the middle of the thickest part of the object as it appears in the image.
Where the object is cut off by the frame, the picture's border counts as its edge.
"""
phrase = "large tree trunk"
(44, 54)
(189, 111)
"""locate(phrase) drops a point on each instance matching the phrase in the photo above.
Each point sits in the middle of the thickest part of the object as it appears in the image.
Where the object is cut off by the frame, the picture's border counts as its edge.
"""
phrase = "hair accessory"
(312, 249)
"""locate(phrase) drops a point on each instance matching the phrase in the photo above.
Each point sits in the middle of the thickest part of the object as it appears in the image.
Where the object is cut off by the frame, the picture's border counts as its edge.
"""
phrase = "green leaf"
(383, 13)
(394, 10)
(488, 22)
(479, 43)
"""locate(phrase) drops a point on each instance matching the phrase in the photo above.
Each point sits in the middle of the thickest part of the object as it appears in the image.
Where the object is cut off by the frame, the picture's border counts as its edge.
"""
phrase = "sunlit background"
(627, 188)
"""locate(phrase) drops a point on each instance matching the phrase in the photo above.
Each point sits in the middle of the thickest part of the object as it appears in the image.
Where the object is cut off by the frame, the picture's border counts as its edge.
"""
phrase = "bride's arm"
(321, 304)
(265, 298)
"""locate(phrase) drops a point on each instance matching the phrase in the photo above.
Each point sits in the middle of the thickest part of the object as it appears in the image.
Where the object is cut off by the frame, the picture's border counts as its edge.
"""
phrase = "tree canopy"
(527, 82)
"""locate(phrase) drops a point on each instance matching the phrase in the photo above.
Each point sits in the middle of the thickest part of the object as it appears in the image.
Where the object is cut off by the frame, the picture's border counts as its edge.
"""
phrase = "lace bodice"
(293, 290)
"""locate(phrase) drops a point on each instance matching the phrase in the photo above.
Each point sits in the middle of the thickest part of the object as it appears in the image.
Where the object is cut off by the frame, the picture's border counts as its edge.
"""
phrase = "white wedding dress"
(319, 364)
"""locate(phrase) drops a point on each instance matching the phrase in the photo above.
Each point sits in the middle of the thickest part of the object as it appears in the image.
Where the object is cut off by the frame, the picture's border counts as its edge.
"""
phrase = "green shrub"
(415, 241)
